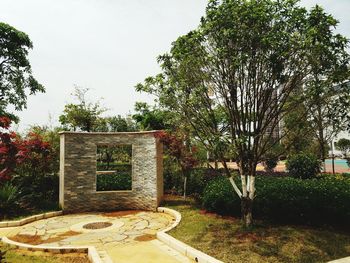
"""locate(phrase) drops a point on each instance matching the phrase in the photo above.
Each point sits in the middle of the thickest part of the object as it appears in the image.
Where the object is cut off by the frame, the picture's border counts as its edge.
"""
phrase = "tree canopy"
(231, 79)
(84, 115)
(16, 79)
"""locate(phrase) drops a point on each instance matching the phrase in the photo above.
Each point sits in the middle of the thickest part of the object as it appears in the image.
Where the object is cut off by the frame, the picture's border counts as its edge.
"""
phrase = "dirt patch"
(37, 240)
(50, 257)
(247, 237)
(97, 225)
(28, 239)
(146, 237)
(122, 213)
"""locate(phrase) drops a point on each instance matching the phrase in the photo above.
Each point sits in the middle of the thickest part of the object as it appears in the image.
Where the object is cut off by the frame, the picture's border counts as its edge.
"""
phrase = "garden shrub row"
(113, 182)
(286, 200)
(197, 180)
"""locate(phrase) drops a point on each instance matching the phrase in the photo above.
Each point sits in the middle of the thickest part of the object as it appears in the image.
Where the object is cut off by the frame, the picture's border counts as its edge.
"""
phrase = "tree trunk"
(246, 210)
(185, 186)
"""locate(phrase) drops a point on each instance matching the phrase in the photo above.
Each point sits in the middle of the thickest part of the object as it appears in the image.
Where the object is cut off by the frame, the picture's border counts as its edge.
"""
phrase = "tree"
(183, 154)
(149, 119)
(231, 78)
(16, 78)
(344, 146)
(116, 124)
(84, 115)
(328, 97)
(112, 124)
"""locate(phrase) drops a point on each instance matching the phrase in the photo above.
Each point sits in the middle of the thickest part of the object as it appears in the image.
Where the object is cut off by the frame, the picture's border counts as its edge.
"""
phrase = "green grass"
(19, 256)
(224, 238)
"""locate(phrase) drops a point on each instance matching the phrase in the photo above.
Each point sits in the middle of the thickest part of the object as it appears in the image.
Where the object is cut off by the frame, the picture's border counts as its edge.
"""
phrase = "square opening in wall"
(114, 168)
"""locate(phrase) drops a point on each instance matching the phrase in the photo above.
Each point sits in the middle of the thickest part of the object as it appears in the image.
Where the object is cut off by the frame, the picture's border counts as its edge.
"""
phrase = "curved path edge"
(190, 252)
(92, 253)
(90, 250)
(29, 219)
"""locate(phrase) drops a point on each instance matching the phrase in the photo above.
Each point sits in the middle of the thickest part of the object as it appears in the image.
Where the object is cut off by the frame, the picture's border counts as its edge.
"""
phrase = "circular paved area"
(123, 237)
(111, 229)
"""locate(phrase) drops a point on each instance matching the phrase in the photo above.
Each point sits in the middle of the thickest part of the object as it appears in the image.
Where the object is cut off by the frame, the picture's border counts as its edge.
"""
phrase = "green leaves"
(84, 115)
(15, 71)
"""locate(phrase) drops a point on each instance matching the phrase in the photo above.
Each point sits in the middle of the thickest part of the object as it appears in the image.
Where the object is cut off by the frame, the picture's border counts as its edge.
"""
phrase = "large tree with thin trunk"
(232, 77)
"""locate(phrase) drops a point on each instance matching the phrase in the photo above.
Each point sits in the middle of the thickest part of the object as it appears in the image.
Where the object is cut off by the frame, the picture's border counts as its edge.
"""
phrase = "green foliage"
(38, 191)
(220, 197)
(16, 78)
(288, 200)
(84, 115)
(114, 182)
(150, 119)
(231, 79)
(8, 198)
(197, 180)
(343, 145)
(270, 163)
(115, 124)
(303, 166)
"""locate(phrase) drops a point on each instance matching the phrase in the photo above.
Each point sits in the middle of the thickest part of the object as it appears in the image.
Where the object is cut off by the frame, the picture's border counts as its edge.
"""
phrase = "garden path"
(125, 236)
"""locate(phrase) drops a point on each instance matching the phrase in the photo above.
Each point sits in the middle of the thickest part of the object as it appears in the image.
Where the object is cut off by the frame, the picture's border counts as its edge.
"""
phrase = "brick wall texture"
(78, 172)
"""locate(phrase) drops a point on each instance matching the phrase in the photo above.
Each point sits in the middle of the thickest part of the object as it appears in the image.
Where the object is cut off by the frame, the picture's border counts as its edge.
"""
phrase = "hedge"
(113, 182)
(287, 200)
(197, 180)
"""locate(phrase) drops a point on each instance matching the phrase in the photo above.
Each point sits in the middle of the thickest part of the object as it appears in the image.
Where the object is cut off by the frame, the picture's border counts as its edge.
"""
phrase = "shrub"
(303, 166)
(38, 191)
(270, 163)
(8, 198)
(220, 197)
(287, 200)
(197, 180)
(113, 182)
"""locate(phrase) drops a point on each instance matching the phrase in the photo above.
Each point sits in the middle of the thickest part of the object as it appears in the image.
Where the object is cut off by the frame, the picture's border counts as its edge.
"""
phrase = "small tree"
(84, 115)
(8, 150)
(303, 166)
(344, 146)
(182, 153)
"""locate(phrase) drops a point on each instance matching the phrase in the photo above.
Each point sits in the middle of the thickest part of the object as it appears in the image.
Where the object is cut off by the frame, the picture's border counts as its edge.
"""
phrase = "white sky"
(107, 46)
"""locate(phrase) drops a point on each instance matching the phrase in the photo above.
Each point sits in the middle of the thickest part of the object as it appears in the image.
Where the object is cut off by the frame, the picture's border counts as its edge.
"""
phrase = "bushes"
(220, 197)
(288, 200)
(270, 163)
(197, 180)
(303, 166)
(113, 182)
(38, 191)
(8, 198)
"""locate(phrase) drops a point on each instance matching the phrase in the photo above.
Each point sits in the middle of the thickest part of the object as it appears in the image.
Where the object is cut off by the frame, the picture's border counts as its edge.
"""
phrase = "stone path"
(126, 236)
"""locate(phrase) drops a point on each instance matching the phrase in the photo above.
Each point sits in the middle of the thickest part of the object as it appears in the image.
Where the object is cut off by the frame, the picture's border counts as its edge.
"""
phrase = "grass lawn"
(20, 256)
(225, 239)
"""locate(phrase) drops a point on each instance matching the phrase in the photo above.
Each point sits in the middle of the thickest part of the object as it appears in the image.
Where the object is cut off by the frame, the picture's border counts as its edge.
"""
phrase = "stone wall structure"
(78, 152)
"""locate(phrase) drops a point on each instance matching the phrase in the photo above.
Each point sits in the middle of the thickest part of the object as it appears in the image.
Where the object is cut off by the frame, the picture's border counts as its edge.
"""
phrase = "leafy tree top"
(16, 79)
(84, 115)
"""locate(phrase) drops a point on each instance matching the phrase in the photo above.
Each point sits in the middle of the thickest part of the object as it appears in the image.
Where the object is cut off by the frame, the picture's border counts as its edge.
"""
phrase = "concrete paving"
(127, 236)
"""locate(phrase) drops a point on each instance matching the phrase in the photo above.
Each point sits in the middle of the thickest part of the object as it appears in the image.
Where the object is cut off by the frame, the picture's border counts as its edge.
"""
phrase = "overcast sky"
(107, 46)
